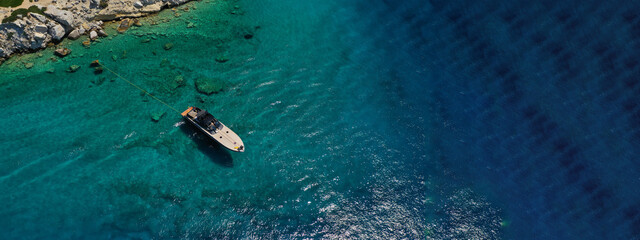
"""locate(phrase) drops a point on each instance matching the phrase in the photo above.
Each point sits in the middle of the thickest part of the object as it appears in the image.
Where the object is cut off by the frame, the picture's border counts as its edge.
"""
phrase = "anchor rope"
(132, 84)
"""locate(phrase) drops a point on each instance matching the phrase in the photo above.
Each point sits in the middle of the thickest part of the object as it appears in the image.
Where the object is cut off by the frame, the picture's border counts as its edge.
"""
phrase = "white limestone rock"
(40, 40)
(57, 32)
(39, 17)
(61, 16)
(33, 31)
(39, 36)
(93, 35)
(41, 28)
(20, 23)
(75, 34)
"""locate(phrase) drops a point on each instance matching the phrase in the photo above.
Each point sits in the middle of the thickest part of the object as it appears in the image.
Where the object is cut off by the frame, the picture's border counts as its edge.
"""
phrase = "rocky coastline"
(70, 18)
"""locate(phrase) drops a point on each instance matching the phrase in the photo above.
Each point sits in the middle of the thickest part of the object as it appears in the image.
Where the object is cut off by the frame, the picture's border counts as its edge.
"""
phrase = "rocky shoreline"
(72, 19)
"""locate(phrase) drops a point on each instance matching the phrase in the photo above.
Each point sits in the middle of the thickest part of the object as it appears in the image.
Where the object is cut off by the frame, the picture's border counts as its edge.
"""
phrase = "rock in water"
(51, 70)
(175, 83)
(179, 80)
(28, 65)
(124, 25)
(168, 46)
(222, 59)
(98, 81)
(62, 52)
(73, 68)
(209, 85)
(157, 115)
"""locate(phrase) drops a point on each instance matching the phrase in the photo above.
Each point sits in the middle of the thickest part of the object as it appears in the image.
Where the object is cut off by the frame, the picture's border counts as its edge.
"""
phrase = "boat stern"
(184, 114)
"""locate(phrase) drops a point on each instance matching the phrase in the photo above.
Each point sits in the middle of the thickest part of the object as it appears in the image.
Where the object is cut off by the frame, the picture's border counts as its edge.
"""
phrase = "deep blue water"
(362, 120)
(535, 105)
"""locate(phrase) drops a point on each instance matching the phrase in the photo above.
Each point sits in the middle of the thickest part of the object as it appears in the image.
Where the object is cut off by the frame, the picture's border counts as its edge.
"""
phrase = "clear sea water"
(362, 120)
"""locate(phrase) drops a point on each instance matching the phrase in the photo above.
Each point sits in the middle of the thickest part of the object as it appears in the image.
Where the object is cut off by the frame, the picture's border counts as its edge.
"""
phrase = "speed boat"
(212, 127)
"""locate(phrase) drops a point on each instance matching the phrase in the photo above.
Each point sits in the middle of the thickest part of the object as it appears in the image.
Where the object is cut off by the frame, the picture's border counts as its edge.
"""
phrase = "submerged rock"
(168, 46)
(51, 70)
(157, 115)
(98, 81)
(28, 65)
(124, 25)
(177, 82)
(209, 85)
(62, 52)
(222, 58)
(164, 62)
(73, 68)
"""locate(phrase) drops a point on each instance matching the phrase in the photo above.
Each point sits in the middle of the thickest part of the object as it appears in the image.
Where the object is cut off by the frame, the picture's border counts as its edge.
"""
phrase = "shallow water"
(361, 119)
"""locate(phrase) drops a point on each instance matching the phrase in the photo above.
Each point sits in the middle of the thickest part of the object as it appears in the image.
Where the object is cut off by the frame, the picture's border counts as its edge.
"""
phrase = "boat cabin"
(205, 120)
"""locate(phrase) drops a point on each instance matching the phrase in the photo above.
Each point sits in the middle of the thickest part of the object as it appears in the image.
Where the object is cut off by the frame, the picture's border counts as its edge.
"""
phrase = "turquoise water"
(82, 156)
(361, 120)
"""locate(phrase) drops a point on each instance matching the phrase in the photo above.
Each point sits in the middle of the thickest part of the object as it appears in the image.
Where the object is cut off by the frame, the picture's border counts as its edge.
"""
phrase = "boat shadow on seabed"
(208, 147)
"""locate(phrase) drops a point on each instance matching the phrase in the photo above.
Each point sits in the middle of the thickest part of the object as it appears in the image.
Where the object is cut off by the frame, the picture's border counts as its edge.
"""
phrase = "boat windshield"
(217, 124)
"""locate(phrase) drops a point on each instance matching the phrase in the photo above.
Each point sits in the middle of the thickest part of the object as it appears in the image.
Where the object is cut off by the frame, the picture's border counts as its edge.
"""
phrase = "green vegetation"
(23, 12)
(10, 3)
